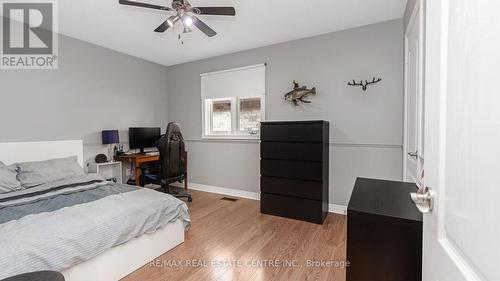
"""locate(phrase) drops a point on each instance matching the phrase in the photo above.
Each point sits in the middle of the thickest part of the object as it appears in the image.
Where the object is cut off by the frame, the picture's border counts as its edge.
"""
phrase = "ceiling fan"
(185, 13)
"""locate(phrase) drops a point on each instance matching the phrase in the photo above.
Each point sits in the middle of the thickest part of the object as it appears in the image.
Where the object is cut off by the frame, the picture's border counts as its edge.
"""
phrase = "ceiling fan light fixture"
(187, 20)
(172, 20)
(187, 30)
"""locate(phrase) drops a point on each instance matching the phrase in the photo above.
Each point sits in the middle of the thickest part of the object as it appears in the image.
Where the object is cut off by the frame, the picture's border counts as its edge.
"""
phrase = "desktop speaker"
(101, 158)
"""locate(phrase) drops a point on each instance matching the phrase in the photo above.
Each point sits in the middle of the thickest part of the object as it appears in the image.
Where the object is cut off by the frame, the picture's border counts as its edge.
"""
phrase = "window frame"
(236, 133)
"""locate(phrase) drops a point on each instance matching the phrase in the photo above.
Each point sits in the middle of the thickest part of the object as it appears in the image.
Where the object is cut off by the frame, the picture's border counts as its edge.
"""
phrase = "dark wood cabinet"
(384, 232)
(294, 169)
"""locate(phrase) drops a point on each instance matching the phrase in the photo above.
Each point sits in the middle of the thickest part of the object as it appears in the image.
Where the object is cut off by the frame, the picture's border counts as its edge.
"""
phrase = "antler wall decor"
(365, 84)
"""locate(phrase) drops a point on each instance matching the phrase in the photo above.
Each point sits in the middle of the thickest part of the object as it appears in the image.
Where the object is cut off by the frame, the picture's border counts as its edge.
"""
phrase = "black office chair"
(171, 167)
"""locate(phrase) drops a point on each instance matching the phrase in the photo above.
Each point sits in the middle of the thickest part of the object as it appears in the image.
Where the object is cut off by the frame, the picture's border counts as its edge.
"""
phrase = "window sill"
(255, 138)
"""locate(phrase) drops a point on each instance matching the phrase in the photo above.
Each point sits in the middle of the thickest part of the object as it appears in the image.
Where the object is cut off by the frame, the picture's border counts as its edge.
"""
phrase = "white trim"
(256, 139)
(443, 111)
(332, 208)
(405, 106)
(366, 145)
(225, 140)
(233, 69)
(337, 209)
(221, 190)
(461, 263)
(226, 137)
(416, 11)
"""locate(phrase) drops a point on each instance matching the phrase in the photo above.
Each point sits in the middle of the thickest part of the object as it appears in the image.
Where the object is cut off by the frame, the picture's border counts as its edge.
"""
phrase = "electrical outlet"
(128, 172)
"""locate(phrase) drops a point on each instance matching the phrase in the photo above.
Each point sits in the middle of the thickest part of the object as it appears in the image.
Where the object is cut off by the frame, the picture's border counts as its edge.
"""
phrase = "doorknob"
(413, 154)
(423, 199)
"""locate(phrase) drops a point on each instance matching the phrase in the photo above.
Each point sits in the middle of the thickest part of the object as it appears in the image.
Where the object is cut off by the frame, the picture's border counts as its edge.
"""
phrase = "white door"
(462, 140)
(413, 133)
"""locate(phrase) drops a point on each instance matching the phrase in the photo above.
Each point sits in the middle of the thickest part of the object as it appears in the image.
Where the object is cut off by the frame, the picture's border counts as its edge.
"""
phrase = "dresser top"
(284, 122)
(384, 198)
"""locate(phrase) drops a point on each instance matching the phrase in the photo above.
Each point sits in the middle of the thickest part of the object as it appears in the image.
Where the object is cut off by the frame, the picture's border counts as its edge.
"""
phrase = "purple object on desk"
(110, 137)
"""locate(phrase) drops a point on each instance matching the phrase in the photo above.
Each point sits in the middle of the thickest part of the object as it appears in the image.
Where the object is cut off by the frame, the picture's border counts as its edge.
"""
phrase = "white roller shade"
(248, 81)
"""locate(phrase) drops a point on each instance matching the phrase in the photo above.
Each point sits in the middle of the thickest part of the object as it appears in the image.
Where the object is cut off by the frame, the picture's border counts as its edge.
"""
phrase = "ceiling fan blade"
(164, 26)
(222, 11)
(144, 5)
(204, 28)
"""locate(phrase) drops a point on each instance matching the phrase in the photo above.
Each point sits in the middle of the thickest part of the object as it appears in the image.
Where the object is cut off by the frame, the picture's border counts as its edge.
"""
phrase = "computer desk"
(137, 159)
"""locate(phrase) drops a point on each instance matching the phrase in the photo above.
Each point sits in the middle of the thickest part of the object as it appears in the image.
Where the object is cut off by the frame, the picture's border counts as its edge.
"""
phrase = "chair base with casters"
(165, 185)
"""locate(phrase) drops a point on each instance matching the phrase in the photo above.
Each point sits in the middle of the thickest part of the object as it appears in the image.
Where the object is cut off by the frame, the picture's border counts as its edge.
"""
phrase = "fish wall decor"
(299, 93)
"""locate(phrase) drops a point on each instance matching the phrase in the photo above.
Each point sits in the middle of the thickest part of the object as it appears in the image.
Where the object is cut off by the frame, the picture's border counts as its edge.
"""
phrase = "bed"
(83, 226)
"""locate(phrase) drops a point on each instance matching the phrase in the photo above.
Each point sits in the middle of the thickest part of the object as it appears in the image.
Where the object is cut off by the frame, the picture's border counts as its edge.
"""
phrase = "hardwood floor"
(234, 241)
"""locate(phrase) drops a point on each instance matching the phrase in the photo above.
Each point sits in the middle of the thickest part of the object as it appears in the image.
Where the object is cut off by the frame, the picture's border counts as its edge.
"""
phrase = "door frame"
(416, 11)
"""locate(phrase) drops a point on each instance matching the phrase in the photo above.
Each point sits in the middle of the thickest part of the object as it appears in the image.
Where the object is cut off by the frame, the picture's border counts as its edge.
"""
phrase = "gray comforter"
(57, 225)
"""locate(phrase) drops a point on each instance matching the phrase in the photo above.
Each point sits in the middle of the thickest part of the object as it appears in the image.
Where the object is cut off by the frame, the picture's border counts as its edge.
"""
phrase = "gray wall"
(93, 89)
(366, 127)
(96, 88)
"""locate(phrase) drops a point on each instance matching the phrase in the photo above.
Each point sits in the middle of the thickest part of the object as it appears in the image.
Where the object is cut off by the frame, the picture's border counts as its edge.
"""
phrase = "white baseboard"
(337, 209)
(332, 208)
(222, 190)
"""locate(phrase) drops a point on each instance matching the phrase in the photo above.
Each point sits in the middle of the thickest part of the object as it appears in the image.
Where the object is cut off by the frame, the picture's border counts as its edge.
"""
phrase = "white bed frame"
(122, 260)
(114, 263)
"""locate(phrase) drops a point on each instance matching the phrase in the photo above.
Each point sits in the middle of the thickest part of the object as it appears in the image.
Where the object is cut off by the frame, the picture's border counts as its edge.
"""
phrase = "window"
(221, 116)
(250, 115)
(233, 102)
(233, 117)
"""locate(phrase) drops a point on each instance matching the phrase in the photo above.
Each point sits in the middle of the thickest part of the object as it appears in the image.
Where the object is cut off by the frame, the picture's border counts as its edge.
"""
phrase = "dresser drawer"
(292, 151)
(292, 169)
(294, 132)
(289, 187)
(291, 207)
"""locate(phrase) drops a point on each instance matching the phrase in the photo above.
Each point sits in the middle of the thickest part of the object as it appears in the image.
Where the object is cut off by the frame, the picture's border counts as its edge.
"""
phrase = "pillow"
(31, 174)
(8, 180)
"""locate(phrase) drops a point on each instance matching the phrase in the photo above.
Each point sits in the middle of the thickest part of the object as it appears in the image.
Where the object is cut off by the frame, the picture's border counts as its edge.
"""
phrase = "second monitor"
(143, 137)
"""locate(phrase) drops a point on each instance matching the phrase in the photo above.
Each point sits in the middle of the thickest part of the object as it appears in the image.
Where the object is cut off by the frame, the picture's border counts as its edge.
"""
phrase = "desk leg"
(185, 170)
(137, 175)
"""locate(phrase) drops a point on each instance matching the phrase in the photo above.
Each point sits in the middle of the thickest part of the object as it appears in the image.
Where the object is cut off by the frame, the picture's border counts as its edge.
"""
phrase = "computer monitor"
(140, 138)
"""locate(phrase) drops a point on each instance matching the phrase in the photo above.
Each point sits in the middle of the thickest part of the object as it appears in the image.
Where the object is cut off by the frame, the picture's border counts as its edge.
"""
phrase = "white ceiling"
(257, 23)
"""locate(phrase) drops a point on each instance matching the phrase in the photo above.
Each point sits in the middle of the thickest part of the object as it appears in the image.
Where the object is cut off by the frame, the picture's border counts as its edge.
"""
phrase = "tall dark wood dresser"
(294, 169)
(384, 232)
